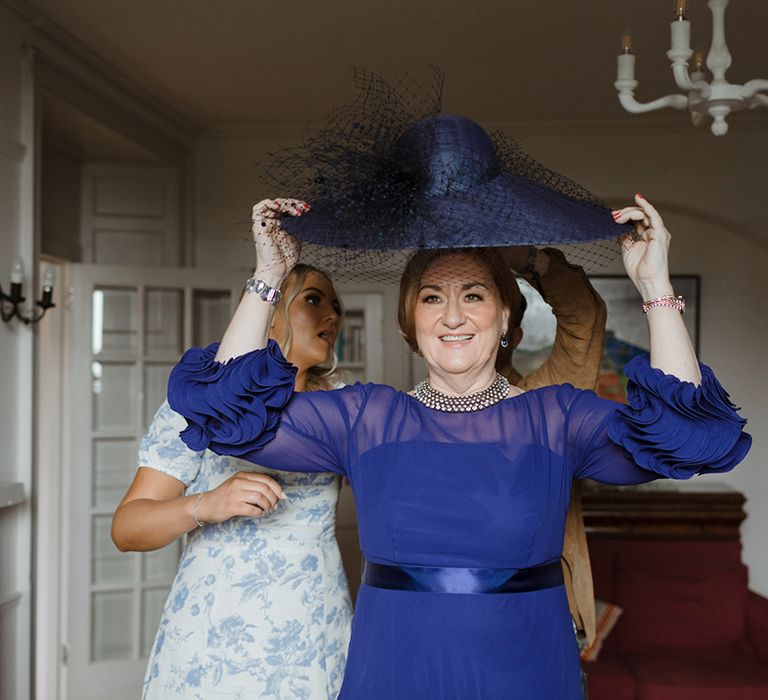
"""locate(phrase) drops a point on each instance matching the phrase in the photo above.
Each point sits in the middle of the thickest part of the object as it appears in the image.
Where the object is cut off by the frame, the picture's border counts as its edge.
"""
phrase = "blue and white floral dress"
(259, 607)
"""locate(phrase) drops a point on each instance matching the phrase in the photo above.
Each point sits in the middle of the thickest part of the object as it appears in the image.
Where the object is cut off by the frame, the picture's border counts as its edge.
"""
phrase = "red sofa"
(690, 630)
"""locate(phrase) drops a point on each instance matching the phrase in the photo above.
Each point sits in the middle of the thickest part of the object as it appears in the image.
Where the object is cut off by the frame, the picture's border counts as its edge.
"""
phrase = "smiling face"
(306, 323)
(459, 317)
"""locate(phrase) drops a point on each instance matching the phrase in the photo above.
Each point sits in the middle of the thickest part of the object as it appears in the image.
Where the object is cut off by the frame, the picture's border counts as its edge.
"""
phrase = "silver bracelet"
(196, 511)
(271, 295)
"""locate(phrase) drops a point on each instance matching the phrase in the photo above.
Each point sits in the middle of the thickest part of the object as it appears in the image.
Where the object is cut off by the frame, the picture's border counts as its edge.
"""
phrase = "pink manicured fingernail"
(639, 195)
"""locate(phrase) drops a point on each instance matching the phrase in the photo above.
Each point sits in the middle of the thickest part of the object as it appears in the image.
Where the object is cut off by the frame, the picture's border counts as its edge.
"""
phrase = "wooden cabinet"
(698, 509)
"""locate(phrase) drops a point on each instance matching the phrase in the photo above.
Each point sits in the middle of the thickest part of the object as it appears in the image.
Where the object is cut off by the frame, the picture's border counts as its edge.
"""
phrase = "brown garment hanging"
(575, 359)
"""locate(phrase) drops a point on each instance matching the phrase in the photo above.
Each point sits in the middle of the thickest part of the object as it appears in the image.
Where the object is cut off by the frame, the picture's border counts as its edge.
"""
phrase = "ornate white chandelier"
(717, 98)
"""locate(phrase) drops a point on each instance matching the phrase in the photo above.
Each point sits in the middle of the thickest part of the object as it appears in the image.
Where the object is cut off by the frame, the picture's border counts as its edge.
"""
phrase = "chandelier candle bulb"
(680, 39)
(17, 271)
(49, 278)
(680, 9)
(625, 63)
(625, 66)
(697, 74)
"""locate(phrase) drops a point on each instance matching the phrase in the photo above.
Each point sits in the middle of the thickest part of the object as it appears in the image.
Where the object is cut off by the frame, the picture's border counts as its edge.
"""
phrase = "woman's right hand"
(276, 250)
(246, 494)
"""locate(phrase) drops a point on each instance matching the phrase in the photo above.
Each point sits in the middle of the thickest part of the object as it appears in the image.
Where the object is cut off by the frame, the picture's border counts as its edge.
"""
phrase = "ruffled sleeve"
(677, 429)
(232, 408)
(669, 428)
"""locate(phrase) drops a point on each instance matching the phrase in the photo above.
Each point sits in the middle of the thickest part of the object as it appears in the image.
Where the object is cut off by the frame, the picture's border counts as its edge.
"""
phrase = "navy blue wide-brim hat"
(450, 190)
(389, 172)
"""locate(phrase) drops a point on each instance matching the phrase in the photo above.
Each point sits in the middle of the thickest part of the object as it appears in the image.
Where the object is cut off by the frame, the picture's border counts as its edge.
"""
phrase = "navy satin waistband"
(451, 579)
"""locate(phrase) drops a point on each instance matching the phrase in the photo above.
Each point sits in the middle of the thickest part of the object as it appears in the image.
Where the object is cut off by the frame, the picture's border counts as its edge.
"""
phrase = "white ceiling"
(263, 62)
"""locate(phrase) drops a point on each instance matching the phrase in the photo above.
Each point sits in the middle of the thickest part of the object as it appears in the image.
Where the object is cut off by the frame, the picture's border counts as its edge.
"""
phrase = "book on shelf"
(350, 345)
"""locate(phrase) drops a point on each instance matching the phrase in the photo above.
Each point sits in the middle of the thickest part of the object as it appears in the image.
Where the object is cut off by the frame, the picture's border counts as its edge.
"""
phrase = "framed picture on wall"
(626, 328)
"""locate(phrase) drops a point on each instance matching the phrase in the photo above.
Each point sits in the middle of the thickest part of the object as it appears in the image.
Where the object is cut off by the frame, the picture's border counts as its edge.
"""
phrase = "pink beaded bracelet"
(667, 300)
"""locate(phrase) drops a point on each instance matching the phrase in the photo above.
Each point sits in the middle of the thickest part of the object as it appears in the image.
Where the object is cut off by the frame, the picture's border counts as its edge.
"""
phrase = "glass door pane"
(114, 321)
(164, 323)
(109, 565)
(155, 388)
(211, 311)
(114, 396)
(113, 468)
(111, 628)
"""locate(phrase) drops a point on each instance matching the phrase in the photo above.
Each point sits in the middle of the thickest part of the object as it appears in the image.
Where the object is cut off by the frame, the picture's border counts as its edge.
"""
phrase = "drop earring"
(503, 341)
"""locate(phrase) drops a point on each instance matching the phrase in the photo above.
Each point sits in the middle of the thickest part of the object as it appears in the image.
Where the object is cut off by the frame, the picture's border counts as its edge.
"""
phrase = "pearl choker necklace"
(431, 398)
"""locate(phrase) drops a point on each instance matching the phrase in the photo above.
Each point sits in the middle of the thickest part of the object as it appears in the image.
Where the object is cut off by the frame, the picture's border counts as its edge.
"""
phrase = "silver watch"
(269, 294)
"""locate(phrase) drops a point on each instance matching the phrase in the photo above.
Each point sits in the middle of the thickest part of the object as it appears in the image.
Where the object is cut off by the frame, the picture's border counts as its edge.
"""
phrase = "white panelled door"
(127, 328)
(130, 215)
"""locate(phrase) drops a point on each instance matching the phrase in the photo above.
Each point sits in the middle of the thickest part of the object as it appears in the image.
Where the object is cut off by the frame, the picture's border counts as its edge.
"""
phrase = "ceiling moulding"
(117, 116)
(71, 57)
(620, 126)
(673, 124)
(256, 132)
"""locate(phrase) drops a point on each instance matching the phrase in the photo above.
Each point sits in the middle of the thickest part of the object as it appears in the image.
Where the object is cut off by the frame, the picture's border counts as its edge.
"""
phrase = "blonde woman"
(259, 606)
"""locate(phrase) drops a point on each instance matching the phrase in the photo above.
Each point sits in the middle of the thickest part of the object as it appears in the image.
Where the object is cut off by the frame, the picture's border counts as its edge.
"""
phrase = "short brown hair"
(490, 259)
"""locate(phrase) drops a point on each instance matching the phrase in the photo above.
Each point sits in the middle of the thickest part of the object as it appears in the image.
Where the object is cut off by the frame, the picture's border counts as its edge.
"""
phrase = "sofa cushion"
(679, 607)
(723, 673)
(609, 680)
(757, 625)
(656, 555)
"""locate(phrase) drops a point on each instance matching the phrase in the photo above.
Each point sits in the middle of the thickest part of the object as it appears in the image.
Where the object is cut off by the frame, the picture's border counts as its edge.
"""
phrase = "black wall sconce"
(10, 304)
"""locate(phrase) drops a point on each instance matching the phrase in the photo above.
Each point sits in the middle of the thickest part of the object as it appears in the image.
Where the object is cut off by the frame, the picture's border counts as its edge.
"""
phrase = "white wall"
(61, 175)
(226, 189)
(16, 238)
(711, 192)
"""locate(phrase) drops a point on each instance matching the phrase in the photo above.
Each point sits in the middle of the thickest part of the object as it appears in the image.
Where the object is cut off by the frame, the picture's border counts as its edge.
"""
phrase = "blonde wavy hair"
(320, 377)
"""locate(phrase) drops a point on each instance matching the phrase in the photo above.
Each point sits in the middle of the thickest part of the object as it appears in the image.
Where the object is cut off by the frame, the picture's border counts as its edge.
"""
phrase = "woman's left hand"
(276, 249)
(645, 252)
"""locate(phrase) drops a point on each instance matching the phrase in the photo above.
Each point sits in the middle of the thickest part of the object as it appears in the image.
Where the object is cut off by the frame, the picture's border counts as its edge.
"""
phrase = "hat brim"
(505, 211)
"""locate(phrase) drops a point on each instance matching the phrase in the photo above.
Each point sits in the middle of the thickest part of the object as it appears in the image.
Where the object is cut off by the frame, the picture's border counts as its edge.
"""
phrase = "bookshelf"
(359, 345)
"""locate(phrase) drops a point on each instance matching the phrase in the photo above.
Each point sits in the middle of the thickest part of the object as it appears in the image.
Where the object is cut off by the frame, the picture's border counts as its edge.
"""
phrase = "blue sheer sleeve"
(669, 428)
(247, 408)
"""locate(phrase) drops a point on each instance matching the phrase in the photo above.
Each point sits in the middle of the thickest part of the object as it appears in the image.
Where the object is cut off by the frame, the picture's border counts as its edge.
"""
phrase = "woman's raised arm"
(276, 253)
(645, 256)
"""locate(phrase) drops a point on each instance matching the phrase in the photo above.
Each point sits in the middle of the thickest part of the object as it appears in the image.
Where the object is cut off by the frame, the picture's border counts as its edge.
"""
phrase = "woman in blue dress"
(260, 606)
(462, 486)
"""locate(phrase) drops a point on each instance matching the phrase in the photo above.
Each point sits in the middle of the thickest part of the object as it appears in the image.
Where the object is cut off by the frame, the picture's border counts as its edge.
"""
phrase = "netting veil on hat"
(389, 174)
